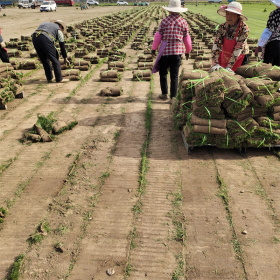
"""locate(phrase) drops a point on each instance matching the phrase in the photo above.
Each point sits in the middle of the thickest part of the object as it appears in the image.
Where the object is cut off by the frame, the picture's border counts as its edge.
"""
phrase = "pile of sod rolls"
(229, 110)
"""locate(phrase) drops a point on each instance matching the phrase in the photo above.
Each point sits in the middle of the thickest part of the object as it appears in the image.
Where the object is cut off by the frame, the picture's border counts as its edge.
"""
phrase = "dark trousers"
(245, 60)
(172, 62)
(47, 52)
(4, 56)
(272, 53)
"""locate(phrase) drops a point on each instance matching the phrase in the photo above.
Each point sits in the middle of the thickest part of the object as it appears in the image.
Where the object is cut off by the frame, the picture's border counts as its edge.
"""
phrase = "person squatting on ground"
(3, 51)
(269, 43)
(172, 35)
(230, 49)
(43, 40)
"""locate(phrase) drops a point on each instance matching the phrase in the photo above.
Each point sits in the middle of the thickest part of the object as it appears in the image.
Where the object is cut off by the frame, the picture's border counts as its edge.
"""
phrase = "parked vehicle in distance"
(141, 3)
(48, 6)
(92, 2)
(25, 4)
(65, 2)
(5, 3)
(121, 2)
(215, 1)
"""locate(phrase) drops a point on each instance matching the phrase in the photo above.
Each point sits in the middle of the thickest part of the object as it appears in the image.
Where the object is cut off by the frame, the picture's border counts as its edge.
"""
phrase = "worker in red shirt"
(172, 36)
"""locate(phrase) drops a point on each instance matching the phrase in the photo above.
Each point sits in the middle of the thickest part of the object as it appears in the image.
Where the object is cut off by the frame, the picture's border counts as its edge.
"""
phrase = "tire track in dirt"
(209, 250)
(250, 213)
(266, 169)
(155, 253)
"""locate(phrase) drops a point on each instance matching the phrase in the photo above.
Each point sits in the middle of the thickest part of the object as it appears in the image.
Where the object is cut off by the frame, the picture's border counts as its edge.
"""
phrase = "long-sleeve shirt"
(241, 47)
(53, 33)
(273, 23)
(173, 30)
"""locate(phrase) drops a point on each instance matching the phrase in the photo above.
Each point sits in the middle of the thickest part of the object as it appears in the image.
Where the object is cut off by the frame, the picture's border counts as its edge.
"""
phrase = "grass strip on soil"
(223, 194)
(142, 176)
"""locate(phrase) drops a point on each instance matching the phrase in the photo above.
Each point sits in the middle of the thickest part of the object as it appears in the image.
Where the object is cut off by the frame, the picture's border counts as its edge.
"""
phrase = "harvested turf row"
(58, 159)
(12, 186)
(155, 253)
(251, 217)
(105, 252)
(209, 248)
(111, 226)
(266, 171)
(101, 121)
(71, 212)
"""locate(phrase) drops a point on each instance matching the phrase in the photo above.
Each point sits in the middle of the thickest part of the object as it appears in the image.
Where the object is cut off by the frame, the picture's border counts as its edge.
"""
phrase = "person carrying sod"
(44, 39)
(230, 49)
(172, 36)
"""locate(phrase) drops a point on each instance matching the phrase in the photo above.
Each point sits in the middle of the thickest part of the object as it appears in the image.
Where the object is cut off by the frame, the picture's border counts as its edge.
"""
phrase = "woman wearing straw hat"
(43, 40)
(230, 49)
(172, 35)
(269, 42)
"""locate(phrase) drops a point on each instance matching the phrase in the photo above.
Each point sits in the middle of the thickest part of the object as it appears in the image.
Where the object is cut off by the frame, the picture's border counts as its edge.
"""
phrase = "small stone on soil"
(110, 271)
(244, 232)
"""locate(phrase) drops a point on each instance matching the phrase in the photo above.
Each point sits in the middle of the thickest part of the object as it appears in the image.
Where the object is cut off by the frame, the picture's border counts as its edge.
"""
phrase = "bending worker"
(230, 49)
(172, 35)
(269, 42)
(44, 43)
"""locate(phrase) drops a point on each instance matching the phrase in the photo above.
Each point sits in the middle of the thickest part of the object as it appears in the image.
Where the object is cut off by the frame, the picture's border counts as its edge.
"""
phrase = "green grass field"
(257, 15)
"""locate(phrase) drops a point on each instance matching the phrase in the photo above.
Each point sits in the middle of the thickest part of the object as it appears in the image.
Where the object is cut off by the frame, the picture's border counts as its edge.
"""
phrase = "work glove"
(257, 50)
(187, 55)
(66, 61)
(3, 45)
(229, 70)
(216, 68)
(153, 52)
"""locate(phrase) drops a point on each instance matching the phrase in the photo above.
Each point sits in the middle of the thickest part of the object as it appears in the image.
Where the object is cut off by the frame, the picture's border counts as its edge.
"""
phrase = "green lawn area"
(256, 14)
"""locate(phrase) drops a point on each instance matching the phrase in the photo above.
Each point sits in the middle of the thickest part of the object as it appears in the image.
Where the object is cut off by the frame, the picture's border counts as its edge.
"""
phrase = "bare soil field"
(117, 196)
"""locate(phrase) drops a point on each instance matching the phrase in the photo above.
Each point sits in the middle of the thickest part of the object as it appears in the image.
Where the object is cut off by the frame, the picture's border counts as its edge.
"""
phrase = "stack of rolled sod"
(145, 65)
(72, 74)
(266, 92)
(93, 59)
(82, 64)
(142, 75)
(110, 76)
(145, 58)
(116, 65)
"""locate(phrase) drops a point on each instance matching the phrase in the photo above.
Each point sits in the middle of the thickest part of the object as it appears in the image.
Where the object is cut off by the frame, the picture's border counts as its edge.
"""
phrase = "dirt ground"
(211, 214)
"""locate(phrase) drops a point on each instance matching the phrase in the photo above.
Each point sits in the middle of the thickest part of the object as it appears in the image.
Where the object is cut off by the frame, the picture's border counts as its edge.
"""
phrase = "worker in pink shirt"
(172, 36)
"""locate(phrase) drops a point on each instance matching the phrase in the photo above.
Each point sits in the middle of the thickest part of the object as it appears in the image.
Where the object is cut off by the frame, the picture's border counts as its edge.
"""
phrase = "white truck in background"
(26, 4)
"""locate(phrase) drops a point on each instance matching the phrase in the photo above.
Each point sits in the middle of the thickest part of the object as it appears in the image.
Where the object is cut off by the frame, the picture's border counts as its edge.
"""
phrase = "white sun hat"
(175, 7)
(275, 2)
(233, 7)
